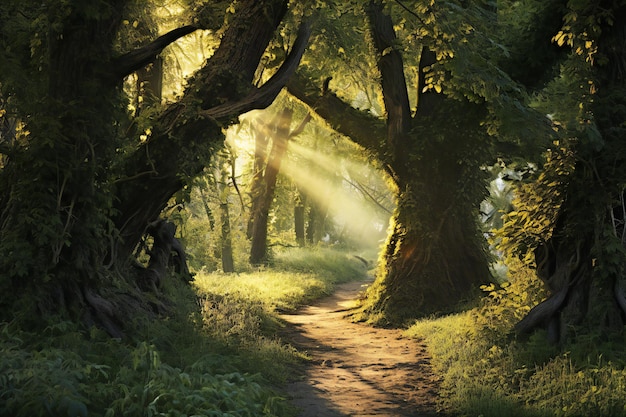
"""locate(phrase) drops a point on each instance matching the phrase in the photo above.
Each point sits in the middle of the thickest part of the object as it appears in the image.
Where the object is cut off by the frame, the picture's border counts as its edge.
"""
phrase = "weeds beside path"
(357, 370)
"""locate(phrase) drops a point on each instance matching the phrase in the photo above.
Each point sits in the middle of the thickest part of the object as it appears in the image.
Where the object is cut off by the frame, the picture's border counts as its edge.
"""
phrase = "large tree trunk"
(435, 256)
(581, 264)
(54, 191)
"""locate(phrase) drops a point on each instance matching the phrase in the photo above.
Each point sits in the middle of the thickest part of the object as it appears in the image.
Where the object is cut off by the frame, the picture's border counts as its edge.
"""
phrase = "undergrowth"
(488, 372)
(216, 355)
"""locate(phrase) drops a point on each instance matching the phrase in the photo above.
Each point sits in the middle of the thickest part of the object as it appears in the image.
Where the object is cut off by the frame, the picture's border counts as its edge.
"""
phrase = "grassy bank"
(487, 372)
(215, 355)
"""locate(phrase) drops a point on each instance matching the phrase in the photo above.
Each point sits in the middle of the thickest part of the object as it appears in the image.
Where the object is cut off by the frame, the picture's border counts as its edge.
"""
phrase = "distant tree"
(265, 185)
(223, 179)
(299, 220)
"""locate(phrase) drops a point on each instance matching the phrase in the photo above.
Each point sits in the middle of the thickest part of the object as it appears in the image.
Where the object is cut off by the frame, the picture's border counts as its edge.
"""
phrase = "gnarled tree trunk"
(74, 208)
(582, 265)
(584, 261)
(435, 256)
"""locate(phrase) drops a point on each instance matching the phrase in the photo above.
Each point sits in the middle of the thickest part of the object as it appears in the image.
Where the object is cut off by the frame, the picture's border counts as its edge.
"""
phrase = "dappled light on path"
(355, 369)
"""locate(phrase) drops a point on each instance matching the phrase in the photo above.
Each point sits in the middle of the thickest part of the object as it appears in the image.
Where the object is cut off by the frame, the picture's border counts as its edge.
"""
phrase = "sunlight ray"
(348, 206)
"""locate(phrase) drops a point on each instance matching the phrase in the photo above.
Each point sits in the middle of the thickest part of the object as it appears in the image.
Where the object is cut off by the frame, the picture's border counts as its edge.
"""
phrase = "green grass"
(273, 290)
(216, 355)
(486, 372)
(296, 277)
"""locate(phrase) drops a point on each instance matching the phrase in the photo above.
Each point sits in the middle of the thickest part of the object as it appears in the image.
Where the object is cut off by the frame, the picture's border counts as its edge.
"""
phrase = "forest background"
(469, 152)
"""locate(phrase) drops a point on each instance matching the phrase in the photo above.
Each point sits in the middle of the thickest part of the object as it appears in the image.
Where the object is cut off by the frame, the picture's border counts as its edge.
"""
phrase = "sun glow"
(328, 170)
(332, 181)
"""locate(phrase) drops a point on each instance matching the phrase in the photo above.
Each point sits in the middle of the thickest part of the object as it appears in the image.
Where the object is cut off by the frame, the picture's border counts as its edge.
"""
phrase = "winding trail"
(357, 370)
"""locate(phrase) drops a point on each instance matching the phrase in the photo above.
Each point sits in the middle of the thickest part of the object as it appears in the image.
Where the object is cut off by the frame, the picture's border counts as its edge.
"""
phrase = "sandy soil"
(358, 370)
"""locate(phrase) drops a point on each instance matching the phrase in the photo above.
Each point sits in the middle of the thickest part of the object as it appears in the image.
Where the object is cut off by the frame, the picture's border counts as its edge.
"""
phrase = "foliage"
(219, 361)
(536, 206)
(169, 367)
(507, 303)
(72, 375)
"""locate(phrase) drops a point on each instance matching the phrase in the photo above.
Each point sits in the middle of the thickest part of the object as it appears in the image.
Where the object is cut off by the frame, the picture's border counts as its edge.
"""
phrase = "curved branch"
(183, 137)
(140, 57)
(262, 97)
(542, 312)
(411, 12)
(301, 126)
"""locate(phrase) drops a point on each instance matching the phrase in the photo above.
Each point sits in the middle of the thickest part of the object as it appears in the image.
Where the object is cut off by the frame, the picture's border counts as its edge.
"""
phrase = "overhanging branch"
(393, 82)
(262, 97)
(140, 57)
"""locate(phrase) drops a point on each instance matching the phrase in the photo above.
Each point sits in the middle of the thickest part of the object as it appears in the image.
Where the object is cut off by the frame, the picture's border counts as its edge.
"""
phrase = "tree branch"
(183, 136)
(140, 57)
(360, 126)
(301, 126)
(393, 82)
(260, 98)
(360, 187)
(427, 101)
(542, 313)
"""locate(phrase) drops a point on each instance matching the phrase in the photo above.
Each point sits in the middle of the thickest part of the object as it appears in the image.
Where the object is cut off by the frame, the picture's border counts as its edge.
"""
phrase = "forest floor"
(355, 369)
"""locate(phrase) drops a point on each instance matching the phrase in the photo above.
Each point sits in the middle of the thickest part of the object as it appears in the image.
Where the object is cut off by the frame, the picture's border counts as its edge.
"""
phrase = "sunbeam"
(327, 180)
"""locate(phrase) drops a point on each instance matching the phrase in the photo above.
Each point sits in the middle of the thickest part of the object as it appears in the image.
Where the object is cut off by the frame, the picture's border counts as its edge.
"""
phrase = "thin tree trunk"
(313, 225)
(433, 259)
(298, 217)
(262, 134)
(258, 250)
(205, 203)
(228, 264)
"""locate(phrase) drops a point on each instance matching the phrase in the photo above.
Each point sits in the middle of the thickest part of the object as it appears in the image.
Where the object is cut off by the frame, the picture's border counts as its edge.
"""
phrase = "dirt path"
(357, 370)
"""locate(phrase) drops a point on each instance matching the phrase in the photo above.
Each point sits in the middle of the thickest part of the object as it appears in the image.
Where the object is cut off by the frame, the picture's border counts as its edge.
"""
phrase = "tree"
(222, 179)
(582, 259)
(265, 183)
(435, 255)
(77, 195)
